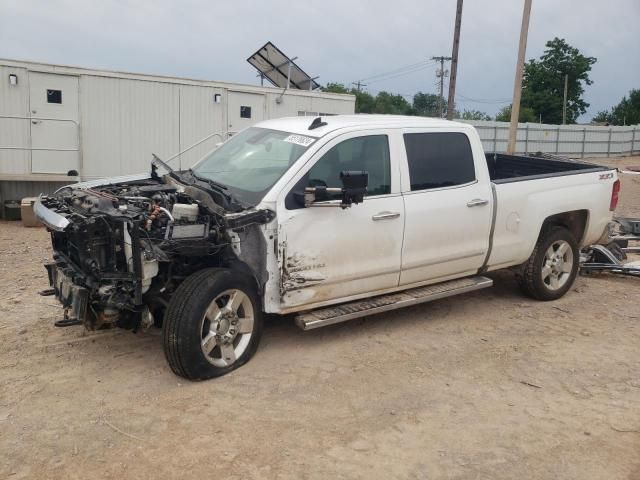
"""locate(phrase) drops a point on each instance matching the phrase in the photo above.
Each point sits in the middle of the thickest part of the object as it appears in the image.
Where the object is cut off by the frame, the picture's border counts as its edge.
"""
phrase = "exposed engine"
(127, 246)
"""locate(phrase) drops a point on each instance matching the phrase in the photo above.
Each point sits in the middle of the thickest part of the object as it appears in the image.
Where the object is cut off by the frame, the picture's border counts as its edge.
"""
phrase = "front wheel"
(553, 265)
(213, 324)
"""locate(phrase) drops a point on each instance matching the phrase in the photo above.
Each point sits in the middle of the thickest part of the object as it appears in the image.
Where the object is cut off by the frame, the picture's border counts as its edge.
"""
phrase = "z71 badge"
(606, 176)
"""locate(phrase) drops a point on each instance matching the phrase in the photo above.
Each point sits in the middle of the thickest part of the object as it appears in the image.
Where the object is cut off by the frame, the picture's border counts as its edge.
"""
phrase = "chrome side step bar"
(360, 308)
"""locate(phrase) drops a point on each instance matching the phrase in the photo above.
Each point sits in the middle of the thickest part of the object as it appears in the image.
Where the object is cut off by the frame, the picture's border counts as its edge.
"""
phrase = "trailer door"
(55, 133)
(243, 110)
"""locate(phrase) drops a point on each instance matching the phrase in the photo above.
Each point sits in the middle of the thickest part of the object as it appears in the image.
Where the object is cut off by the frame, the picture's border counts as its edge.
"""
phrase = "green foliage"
(334, 87)
(365, 102)
(526, 114)
(426, 104)
(543, 82)
(627, 112)
(386, 102)
(475, 115)
(602, 117)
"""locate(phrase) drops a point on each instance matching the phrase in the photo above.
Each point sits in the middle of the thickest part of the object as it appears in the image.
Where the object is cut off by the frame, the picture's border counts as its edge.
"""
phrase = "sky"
(341, 41)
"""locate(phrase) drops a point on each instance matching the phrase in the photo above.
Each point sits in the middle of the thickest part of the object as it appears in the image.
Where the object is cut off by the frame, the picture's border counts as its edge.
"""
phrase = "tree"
(334, 87)
(475, 115)
(543, 82)
(526, 115)
(627, 112)
(386, 102)
(603, 116)
(426, 104)
(365, 102)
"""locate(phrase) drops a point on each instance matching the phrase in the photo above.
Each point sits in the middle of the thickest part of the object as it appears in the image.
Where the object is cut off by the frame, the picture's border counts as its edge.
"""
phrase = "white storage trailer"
(59, 124)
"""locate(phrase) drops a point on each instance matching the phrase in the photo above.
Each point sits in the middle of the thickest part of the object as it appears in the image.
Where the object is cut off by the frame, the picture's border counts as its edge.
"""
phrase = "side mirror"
(354, 188)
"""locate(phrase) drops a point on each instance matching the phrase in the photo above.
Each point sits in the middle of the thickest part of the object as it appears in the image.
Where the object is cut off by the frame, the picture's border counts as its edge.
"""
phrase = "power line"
(395, 70)
(400, 74)
(408, 96)
(486, 100)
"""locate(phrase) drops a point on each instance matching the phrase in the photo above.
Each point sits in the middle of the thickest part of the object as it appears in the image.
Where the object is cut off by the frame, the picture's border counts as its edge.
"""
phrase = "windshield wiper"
(218, 188)
(211, 182)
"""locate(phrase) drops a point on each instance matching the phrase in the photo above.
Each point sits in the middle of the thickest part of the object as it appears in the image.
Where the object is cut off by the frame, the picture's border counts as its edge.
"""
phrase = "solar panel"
(276, 67)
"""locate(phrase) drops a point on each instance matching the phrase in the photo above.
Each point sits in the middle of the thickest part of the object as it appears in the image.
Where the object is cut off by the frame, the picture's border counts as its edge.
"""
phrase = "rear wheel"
(553, 265)
(213, 324)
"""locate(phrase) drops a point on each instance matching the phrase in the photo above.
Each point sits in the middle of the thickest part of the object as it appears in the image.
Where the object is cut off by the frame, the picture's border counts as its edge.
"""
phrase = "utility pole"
(359, 84)
(564, 102)
(441, 74)
(454, 62)
(517, 87)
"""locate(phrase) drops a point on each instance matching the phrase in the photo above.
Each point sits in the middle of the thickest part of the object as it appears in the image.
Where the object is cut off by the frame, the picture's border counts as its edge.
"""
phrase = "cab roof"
(300, 125)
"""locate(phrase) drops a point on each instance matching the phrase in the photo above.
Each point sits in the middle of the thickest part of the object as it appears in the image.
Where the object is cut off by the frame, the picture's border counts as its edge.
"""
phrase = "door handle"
(477, 202)
(35, 122)
(385, 216)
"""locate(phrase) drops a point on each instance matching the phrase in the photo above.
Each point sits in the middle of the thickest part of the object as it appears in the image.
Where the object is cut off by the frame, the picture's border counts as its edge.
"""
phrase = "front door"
(448, 207)
(53, 100)
(243, 110)
(327, 253)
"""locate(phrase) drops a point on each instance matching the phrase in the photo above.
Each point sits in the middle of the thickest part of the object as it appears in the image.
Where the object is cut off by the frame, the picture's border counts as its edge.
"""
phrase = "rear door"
(448, 207)
(53, 100)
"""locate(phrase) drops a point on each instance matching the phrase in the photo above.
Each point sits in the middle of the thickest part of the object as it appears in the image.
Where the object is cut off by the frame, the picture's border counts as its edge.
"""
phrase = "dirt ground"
(489, 385)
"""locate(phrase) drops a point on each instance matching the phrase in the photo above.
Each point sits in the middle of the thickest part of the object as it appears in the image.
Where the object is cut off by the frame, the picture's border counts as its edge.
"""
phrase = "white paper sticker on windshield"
(299, 140)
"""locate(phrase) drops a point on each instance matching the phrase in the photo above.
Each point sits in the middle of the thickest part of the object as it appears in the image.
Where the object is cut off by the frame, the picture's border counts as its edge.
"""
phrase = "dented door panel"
(331, 253)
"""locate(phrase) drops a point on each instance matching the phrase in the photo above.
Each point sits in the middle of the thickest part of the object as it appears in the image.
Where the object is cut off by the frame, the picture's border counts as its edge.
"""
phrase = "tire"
(211, 311)
(553, 265)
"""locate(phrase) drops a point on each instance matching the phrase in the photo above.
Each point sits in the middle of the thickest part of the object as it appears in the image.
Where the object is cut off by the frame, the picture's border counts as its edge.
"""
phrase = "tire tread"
(177, 309)
(528, 277)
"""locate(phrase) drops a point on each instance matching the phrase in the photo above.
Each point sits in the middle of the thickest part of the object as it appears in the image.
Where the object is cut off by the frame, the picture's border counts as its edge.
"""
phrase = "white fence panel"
(576, 141)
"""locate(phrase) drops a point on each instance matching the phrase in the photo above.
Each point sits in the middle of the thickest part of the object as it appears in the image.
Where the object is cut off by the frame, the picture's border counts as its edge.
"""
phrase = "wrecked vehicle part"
(49, 218)
(188, 250)
(599, 258)
(121, 250)
(611, 257)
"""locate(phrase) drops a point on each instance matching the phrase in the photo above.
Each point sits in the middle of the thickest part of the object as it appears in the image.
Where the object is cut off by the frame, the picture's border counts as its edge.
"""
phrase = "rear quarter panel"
(523, 206)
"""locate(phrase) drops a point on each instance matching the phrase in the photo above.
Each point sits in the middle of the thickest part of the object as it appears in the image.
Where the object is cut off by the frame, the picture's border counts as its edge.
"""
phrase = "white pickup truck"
(329, 219)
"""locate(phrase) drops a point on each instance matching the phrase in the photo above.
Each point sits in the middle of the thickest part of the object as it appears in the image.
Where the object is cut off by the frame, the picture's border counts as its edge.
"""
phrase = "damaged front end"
(121, 249)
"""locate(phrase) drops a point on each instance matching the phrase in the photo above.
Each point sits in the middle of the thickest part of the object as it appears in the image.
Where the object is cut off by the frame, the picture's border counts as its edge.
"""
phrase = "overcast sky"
(340, 41)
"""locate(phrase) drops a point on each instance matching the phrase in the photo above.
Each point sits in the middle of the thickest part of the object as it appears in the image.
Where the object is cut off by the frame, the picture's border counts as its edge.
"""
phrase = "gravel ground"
(489, 385)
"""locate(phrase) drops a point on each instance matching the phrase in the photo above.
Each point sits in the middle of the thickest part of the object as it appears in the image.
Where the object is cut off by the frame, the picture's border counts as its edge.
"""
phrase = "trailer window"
(245, 112)
(438, 160)
(54, 96)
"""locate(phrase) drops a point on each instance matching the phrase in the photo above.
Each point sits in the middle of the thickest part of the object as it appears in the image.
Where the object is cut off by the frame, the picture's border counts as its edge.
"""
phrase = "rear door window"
(438, 160)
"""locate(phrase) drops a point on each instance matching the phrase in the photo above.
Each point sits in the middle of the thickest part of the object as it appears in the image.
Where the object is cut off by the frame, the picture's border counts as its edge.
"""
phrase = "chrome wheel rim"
(226, 327)
(558, 264)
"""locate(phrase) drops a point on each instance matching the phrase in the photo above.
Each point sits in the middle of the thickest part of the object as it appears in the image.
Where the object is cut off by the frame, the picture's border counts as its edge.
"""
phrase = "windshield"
(250, 162)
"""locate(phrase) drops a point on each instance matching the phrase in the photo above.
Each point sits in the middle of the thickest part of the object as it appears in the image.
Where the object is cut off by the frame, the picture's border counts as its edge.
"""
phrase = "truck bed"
(505, 168)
